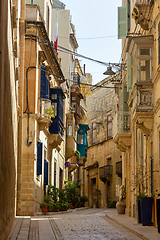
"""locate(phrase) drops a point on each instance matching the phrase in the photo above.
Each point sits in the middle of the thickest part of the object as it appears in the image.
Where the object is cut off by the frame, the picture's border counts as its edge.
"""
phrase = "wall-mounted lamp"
(115, 65)
(109, 71)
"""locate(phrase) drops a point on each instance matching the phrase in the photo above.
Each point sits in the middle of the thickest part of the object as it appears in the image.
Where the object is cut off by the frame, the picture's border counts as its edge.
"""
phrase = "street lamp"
(109, 71)
(119, 66)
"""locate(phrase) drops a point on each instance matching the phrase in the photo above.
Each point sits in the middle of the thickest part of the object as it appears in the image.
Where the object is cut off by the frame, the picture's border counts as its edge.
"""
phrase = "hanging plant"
(77, 154)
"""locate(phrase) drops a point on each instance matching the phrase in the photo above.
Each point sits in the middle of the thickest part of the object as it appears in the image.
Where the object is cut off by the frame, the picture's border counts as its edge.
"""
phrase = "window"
(80, 139)
(70, 125)
(129, 72)
(46, 171)
(69, 129)
(93, 133)
(144, 64)
(39, 158)
(54, 107)
(44, 86)
(73, 107)
(109, 126)
(54, 96)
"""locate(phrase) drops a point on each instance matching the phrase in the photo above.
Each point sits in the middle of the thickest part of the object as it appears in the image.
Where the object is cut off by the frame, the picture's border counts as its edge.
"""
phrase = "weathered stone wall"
(8, 123)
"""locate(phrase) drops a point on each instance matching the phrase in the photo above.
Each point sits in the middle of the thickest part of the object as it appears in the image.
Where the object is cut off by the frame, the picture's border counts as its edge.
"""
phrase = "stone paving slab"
(145, 232)
(50, 227)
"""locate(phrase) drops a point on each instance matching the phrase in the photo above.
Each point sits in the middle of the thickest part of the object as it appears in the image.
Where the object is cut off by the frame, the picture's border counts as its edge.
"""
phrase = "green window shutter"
(122, 22)
(128, 15)
(124, 98)
(129, 72)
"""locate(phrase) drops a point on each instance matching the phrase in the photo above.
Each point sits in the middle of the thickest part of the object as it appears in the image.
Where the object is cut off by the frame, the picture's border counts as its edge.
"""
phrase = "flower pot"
(158, 213)
(45, 209)
(63, 208)
(146, 208)
(139, 212)
(71, 206)
(82, 204)
(120, 206)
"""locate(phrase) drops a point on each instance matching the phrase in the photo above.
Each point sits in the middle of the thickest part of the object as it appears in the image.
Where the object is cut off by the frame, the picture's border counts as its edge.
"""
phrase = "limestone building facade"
(101, 171)
(140, 43)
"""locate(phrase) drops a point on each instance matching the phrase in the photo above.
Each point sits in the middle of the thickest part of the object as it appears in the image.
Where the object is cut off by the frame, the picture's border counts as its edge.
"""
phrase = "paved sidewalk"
(144, 232)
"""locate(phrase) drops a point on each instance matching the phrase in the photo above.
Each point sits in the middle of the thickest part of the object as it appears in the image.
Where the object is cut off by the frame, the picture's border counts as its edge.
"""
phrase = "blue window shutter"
(122, 22)
(39, 158)
(45, 172)
(43, 83)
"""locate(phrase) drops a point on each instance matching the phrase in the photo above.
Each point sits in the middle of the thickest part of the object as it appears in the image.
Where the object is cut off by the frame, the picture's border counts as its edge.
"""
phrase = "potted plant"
(44, 206)
(121, 205)
(63, 206)
(83, 199)
(96, 198)
(158, 211)
(146, 210)
(71, 193)
(139, 212)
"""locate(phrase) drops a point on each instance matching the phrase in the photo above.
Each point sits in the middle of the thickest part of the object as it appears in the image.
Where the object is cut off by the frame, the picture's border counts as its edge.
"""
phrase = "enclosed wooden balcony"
(122, 131)
(44, 117)
(105, 172)
(74, 163)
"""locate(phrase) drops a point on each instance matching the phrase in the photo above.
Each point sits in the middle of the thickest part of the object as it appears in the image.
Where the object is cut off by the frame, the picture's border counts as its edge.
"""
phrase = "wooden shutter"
(122, 22)
(39, 158)
(46, 165)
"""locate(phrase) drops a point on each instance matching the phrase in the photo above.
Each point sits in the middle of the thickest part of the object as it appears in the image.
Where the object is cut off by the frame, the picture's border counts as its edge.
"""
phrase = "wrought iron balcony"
(119, 169)
(105, 171)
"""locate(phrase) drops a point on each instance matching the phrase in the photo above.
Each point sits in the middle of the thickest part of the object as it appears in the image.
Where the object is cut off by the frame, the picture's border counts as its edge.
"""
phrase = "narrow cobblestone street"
(86, 224)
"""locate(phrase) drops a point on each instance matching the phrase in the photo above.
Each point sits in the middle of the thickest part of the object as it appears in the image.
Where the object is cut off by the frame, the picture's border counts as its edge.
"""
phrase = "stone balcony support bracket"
(123, 141)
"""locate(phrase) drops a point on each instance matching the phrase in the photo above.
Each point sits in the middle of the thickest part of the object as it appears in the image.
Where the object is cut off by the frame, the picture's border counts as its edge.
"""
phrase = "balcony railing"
(76, 79)
(105, 171)
(45, 105)
(119, 169)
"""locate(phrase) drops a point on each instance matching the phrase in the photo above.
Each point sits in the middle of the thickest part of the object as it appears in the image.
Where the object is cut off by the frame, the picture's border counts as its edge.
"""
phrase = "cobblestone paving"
(91, 225)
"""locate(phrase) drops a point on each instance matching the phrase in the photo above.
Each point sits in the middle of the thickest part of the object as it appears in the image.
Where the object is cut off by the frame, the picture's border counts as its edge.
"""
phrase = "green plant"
(76, 153)
(53, 192)
(123, 194)
(50, 112)
(62, 195)
(47, 199)
(96, 197)
(71, 192)
(112, 204)
(44, 204)
(141, 196)
(83, 198)
(64, 205)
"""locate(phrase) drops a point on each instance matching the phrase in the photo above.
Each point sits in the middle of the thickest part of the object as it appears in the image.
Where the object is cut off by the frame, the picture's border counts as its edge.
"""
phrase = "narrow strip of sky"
(96, 27)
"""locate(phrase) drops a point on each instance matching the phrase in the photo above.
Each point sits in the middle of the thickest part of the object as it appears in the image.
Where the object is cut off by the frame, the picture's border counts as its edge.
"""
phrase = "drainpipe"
(20, 100)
